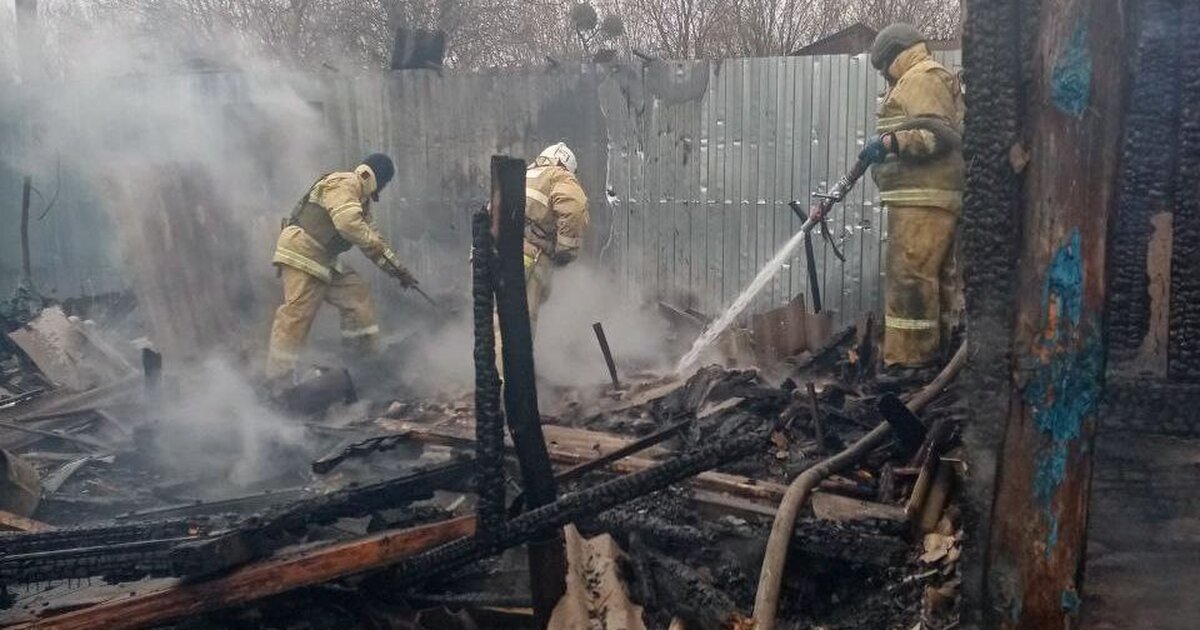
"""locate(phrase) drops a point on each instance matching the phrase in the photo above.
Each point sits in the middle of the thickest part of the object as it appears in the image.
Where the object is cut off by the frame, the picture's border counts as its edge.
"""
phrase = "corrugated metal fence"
(689, 167)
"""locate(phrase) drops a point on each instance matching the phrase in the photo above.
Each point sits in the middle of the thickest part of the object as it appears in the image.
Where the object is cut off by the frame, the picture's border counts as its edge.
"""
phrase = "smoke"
(218, 430)
(442, 360)
(566, 353)
(192, 170)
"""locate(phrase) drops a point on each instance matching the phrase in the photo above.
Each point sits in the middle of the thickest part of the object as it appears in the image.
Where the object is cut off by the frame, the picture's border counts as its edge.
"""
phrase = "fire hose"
(766, 601)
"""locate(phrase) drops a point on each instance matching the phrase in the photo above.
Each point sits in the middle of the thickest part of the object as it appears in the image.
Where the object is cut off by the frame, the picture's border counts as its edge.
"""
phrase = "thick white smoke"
(218, 429)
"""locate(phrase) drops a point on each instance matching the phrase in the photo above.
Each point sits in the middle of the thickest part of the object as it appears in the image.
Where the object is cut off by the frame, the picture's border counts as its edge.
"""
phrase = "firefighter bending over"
(556, 216)
(333, 216)
(920, 171)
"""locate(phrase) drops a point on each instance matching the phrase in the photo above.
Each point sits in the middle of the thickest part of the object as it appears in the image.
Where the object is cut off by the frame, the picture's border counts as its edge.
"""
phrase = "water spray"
(816, 216)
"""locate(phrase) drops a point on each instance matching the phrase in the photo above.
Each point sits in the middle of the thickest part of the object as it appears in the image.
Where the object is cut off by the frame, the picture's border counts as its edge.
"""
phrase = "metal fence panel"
(688, 165)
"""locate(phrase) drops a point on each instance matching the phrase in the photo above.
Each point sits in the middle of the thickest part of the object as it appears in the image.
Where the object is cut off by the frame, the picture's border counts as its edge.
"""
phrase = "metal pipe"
(766, 601)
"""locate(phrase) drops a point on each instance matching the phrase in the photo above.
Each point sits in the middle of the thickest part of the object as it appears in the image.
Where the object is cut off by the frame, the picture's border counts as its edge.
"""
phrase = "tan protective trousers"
(302, 296)
(923, 292)
(537, 289)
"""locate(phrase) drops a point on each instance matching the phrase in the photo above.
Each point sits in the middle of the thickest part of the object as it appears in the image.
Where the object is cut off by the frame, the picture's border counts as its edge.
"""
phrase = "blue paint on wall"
(1066, 381)
(1064, 279)
(1052, 534)
(1070, 601)
(1071, 79)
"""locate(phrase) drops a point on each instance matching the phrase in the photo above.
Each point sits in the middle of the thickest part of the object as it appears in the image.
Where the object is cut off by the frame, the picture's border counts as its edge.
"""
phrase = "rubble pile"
(668, 489)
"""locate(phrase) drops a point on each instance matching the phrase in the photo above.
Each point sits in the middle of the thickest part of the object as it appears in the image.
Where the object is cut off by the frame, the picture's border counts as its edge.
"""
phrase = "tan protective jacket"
(556, 213)
(344, 199)
(925, 110)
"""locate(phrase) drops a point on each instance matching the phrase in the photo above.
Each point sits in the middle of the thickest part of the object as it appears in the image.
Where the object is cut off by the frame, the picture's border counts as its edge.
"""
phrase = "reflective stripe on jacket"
(925, 110)
(343, 195)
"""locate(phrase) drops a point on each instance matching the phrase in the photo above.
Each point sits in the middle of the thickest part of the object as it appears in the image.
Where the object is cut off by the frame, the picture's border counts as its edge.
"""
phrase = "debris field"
(377, 516)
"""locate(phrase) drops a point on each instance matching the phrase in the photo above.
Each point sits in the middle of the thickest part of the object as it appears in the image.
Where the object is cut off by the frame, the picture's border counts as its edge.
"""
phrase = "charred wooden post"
(489, 421)
(547, 559)
(1149, 153)
(991, 225)
(1071, 118)
(608, 358)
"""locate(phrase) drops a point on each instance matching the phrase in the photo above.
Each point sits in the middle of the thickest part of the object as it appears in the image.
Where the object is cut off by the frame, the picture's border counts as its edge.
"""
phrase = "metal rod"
(814, 280)
(608, 358)
(26, 266)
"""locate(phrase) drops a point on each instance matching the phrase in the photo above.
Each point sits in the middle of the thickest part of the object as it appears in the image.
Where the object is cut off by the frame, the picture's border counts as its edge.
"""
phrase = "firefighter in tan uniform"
(920, 173)
(333, 216)
(556, 216)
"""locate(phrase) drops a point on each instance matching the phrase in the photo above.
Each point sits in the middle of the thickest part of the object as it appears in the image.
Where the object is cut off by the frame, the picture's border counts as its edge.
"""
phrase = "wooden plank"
(719, 504)
(1072, 119)
(596, 595)
(570, 444)
(17, 523)
(262, 579)
(833, 507)
(575, 446)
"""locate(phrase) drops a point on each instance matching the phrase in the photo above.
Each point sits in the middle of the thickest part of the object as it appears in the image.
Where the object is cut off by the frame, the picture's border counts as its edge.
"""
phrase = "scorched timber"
(261, 580)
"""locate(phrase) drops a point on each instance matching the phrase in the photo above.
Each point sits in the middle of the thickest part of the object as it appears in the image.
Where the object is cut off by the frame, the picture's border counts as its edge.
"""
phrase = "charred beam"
(489, 421)
(572, 507)
(261, 580)
(547, 562)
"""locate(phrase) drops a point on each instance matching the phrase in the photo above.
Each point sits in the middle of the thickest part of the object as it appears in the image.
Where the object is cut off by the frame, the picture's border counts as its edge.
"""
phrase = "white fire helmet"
(561, 154)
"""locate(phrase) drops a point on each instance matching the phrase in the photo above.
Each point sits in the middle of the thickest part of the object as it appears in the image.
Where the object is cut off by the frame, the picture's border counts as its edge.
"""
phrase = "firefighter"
(919, 169)
(556, 216)
(332, 216)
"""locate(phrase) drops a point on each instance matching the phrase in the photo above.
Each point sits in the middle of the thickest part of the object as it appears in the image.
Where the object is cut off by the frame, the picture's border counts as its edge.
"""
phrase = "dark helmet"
(384, 170)
(892, 41)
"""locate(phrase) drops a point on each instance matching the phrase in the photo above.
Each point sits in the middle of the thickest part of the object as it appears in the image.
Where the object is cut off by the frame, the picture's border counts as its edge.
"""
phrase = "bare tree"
(778, 27)
(358, 34)
(679, 29)
(937, 19)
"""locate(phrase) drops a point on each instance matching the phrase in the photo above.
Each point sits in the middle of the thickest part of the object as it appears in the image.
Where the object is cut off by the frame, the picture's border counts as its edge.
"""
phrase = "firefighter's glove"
(877, 150)
(560, 259)
(407, 280)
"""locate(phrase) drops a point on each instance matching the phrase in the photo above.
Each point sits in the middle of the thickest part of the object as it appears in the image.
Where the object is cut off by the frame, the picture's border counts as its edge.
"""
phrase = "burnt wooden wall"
(1084, 146)
(1143, 555)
